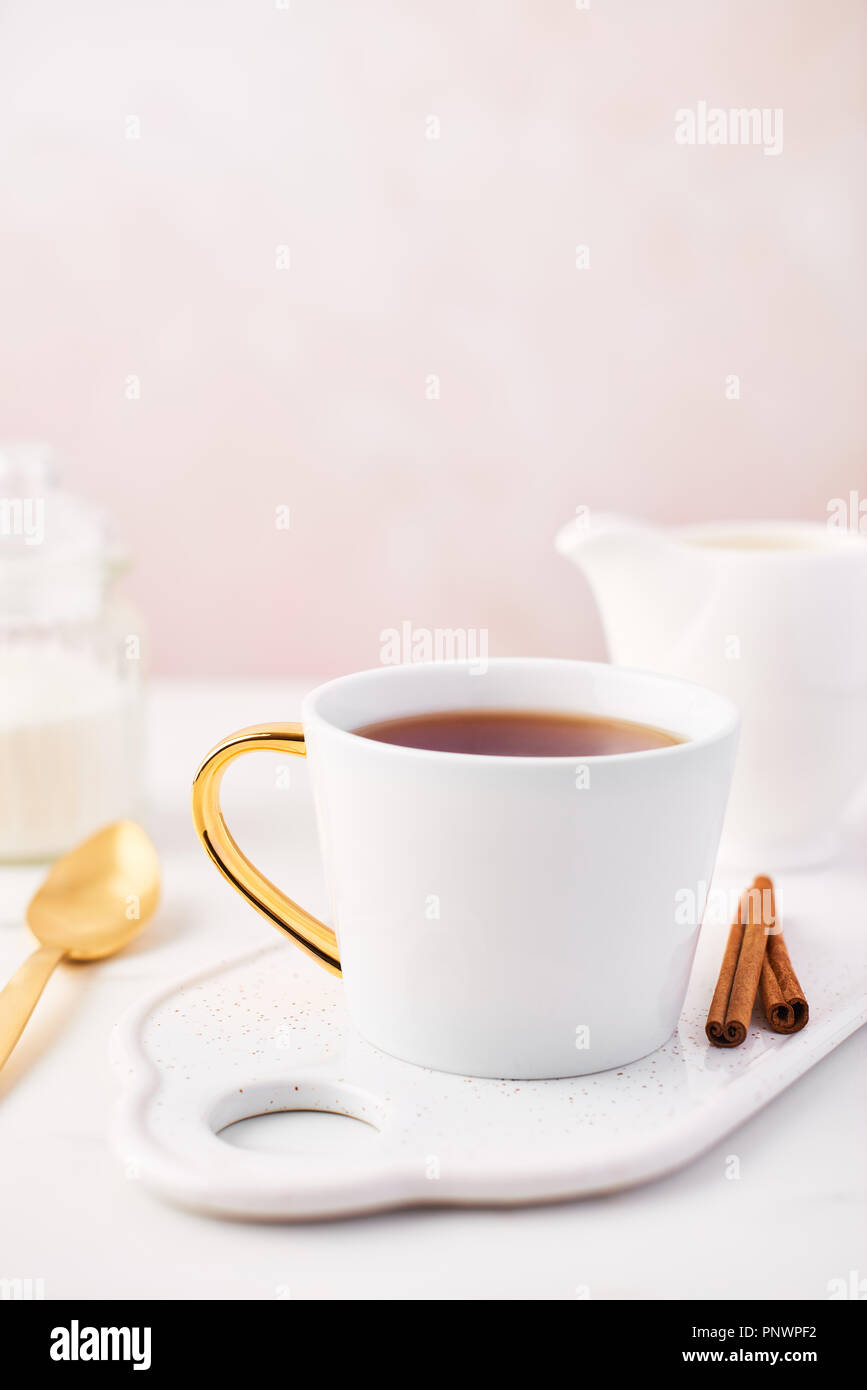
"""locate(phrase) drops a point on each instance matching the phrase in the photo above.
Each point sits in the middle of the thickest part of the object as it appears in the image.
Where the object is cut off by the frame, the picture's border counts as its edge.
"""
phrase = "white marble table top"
(71, 1217)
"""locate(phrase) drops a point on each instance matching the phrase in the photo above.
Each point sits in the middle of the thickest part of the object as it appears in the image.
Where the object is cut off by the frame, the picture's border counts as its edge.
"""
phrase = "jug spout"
(648, 586)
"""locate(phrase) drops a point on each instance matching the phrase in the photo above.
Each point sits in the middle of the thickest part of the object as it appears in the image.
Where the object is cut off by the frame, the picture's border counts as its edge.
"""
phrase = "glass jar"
(71, 704)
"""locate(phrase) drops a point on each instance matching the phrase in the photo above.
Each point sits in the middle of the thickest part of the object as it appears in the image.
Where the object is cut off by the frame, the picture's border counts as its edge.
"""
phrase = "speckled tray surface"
(269, 1032)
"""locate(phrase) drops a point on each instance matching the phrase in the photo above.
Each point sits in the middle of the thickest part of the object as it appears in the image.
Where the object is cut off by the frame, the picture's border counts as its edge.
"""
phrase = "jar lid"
(53, 546)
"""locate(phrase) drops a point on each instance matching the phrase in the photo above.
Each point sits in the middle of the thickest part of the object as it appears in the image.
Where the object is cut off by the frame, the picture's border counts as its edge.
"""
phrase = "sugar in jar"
(71, 705)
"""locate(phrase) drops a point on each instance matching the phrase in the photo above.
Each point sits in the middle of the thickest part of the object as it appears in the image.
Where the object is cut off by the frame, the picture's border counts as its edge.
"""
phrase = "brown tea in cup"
(518, 733)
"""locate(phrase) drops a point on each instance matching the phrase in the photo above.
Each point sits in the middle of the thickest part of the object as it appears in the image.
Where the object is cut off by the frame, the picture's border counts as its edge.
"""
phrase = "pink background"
(305, 127)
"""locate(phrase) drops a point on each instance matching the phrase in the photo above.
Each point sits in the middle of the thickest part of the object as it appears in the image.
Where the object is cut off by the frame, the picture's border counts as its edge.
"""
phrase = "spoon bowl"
(99, 896)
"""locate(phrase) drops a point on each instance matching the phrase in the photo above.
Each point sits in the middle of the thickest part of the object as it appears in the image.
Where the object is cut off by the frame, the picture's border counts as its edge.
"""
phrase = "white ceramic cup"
(501, 916)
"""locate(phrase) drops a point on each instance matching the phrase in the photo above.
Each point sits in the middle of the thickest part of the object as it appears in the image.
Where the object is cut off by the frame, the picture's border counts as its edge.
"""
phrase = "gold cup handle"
(305, 930)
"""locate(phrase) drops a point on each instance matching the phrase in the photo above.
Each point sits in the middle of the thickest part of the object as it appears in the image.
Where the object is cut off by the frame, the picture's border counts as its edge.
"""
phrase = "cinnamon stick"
(783, 1000)
(716, 1017)
(735, 994)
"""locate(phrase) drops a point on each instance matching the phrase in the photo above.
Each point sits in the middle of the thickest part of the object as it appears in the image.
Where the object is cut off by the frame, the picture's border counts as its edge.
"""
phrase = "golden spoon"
(94, 900)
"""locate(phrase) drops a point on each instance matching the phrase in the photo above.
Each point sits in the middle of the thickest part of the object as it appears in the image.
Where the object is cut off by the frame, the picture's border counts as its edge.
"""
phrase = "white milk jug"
(772, 614)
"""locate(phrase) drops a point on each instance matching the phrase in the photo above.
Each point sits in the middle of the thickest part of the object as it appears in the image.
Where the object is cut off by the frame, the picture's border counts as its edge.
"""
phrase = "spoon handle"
(18, 999)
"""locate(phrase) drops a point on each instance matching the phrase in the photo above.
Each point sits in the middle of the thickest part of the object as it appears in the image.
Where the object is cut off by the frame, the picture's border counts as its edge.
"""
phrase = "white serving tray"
(269, 1032)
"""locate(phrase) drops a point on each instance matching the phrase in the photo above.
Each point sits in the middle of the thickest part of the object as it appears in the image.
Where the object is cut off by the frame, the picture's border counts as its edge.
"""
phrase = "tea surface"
(518, 733)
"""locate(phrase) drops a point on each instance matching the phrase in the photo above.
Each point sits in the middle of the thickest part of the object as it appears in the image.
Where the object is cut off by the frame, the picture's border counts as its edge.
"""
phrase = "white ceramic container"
(773, 615)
